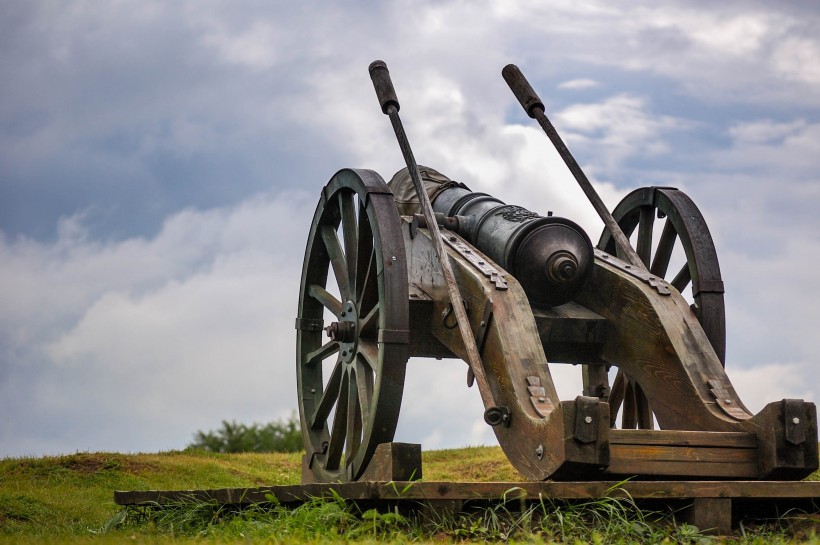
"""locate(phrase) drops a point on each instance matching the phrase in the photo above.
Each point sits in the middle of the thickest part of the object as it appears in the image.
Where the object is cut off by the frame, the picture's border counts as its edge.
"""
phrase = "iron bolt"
(728, 401)
(542, 399)
(392, 258)
(588, 419)
(795, 420)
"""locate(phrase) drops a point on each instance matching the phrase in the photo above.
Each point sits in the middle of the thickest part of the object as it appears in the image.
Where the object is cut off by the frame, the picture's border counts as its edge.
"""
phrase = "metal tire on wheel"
(347, 412)
(684, 223)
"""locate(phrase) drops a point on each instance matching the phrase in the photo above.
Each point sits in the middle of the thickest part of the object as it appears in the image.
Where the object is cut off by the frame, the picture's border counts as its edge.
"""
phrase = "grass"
(69, 499)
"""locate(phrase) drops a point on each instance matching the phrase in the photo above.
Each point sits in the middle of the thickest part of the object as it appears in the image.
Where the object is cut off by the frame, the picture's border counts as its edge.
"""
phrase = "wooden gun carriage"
(426, 267)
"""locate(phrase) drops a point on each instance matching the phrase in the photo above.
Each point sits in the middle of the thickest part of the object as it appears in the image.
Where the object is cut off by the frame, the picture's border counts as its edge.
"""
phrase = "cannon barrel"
(550, 256)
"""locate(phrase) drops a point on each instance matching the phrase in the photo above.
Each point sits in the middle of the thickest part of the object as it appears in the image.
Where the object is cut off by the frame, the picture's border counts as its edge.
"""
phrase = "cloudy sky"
(160, 162)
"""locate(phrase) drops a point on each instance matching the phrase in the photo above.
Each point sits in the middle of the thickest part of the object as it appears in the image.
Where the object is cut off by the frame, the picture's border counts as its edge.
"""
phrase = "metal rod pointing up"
(525, 94)
(390, 106)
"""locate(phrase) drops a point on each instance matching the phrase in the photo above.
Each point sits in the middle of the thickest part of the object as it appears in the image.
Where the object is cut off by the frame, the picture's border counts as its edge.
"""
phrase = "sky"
(160, 163)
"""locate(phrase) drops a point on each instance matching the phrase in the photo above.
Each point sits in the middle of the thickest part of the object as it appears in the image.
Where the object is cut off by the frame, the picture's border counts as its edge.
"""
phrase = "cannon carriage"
(424, 267)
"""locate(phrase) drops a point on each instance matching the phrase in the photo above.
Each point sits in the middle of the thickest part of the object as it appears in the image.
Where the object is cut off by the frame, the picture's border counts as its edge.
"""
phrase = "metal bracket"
(325, 446)
(586, 419)
(394, 336)
(538, 397)
(309, 324)
(469, 253)
(796, 423)
(481, 337)
(484, 325)
(658, 284)
(725, 401)
(706, 285)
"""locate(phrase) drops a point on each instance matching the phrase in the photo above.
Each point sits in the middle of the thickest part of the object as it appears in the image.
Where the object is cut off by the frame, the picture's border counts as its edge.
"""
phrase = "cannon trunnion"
(384, 265)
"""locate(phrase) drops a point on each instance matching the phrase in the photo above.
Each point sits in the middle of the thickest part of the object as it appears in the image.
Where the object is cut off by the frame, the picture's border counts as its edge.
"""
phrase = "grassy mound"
(69, 499)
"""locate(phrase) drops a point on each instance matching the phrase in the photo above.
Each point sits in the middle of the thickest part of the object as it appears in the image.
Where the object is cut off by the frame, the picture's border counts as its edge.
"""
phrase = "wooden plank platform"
(683, 454)
(708, 504)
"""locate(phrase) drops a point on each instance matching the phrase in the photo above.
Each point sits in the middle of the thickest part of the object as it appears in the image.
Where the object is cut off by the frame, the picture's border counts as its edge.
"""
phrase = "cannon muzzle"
(550, 256)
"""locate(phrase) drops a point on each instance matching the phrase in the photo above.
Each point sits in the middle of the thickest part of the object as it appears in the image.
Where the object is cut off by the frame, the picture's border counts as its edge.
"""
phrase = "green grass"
(69, 499)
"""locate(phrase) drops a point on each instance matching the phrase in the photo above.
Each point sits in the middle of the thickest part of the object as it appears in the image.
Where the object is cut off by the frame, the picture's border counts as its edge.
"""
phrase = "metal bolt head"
(392, 258)
(542, 399)
(795, 420)
(728, 401)
(588, 419)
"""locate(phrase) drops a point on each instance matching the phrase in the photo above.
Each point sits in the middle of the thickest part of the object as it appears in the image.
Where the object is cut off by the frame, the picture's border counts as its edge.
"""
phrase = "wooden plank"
(644, 453)
(682, 468)
(740, 440)
(694, 455)
(433, 490)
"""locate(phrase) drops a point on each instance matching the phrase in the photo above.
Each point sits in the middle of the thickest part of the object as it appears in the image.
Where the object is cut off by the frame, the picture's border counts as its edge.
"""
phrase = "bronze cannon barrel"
(550, 256)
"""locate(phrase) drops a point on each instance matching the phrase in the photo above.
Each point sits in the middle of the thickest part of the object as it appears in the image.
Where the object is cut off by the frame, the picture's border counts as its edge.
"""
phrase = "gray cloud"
(159, 164)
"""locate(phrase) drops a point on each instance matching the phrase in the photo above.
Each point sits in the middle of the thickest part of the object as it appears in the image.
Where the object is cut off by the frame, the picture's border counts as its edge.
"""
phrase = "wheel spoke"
(663, 253)
(682, 279)
(324, 351)
(629, 418)
(644, 412)
(364, 382)
(326, 298)
(354, 419)
(369, 323)
(329, 398)
(368, 287)
(370, 353)
(645, 226)
(337, 259)
(616, 397)
(339, 432)
(350, 232)
(365, 255)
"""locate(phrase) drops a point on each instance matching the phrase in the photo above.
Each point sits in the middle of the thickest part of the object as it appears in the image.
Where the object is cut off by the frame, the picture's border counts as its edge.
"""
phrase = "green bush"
(279, 436)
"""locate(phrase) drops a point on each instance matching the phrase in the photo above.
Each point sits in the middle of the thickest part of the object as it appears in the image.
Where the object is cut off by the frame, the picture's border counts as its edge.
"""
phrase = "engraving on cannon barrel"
(517, 214)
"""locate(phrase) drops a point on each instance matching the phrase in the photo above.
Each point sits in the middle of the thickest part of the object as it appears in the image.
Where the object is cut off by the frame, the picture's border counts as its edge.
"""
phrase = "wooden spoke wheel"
(351, 369)
(684, 225)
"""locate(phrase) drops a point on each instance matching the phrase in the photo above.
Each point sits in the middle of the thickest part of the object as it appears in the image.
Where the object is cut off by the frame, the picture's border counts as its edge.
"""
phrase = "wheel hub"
(345, 331)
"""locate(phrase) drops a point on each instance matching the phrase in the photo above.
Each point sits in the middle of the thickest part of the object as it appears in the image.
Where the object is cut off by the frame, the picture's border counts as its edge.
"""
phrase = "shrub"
(278, 436)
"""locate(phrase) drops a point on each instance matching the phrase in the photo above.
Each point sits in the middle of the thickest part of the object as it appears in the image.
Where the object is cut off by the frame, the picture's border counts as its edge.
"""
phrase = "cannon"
(424, 267)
